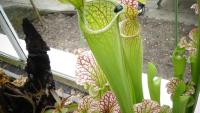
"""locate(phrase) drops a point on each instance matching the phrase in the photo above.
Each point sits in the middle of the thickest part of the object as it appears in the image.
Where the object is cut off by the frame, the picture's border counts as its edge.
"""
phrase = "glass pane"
(6, 47)
(16, 14)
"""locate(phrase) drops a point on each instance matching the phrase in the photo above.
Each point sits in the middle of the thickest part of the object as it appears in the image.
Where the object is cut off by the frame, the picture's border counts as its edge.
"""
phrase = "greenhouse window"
(14, 51)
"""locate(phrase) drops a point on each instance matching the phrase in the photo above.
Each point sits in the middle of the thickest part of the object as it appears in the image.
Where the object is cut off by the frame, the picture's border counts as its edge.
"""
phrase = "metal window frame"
(12, 35)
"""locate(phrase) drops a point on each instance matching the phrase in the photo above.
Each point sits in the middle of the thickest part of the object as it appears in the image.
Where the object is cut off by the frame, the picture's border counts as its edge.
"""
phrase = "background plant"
(90, 75)
(185, 93)
(153, 82)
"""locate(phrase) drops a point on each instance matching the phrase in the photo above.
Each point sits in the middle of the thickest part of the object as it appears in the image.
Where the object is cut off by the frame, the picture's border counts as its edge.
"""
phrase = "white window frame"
(11, 34)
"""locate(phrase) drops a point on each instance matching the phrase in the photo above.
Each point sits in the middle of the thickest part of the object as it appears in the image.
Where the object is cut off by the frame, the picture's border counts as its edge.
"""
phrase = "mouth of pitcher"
(129, 28)
(99, 16)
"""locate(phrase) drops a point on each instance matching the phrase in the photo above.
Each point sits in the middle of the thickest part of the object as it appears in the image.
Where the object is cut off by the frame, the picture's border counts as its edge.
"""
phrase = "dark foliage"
(38, 64)
(35, 94)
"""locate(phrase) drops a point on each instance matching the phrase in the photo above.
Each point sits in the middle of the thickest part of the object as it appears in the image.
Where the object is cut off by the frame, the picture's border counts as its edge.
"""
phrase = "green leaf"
(180, 103)
(180, 89)
(197, 73)
(153, 82)
(193, 57)
(179, 62)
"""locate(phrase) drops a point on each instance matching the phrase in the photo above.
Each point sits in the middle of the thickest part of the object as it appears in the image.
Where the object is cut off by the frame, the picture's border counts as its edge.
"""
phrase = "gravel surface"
(61, 31)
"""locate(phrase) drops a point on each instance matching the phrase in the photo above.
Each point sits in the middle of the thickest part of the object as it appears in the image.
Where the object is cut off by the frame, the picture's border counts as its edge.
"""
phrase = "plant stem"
(36, 11)
(176, 21)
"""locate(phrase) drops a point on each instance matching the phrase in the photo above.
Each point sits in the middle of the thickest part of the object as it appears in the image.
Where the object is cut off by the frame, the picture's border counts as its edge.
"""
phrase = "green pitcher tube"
(100, 27)
(132, 45)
